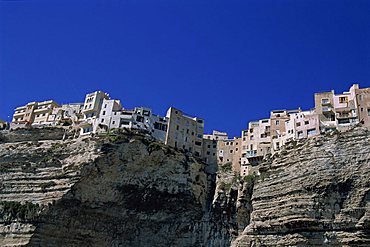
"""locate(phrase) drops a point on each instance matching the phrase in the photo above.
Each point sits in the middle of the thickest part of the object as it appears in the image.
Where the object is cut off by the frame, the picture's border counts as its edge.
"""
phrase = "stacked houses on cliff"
(99, 113)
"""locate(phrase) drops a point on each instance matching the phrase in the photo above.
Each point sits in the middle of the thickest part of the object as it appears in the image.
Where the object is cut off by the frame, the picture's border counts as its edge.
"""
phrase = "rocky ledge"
(128, 190)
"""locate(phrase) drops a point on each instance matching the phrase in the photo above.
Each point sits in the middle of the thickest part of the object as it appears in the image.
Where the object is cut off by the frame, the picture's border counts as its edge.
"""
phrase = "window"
(306, 122)
(342, 99)
(311, 132)
(102, 120)
(300, 134)
(113, 122)
(105, 106)
(103, 112)
(198, 143)
(177, 127)
(298, 124)
(362, 109)
(277, 122)
(368, 112)
(208, 153)
(360, 97)
(325, 101)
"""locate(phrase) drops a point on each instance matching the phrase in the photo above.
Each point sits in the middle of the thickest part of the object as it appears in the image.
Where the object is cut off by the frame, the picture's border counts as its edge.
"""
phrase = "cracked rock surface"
(128, 190)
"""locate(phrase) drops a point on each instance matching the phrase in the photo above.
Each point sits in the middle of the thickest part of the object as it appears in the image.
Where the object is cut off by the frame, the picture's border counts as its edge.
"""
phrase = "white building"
(91, 110)
(70, 114)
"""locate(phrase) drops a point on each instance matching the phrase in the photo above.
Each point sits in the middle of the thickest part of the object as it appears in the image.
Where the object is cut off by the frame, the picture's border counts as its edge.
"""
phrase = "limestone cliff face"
(124, 190)
(314, 193)
(128, 190)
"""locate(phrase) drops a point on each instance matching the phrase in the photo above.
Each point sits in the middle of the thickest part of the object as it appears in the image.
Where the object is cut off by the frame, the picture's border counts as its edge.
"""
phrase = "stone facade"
(184, 132)
(229, 152)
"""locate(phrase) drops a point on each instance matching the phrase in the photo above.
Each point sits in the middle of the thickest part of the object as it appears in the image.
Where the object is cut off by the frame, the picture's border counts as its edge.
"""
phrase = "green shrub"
(250, 178)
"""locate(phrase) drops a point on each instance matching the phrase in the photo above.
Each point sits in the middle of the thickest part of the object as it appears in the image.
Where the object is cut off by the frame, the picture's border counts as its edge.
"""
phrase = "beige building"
(337, 111)
(216, 135)
(43, 111)
(35, 113)
(277, 120)
(229, 151)
(184, 132)
(24, 113)
(363, 105)
(210, 146)
(209, 154)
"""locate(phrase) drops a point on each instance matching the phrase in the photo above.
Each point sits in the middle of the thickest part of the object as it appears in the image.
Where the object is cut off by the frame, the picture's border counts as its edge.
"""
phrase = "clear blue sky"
(229, 61)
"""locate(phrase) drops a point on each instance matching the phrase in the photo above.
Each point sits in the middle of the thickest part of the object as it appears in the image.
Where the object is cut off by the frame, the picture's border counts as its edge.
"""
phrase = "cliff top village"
(99, 113)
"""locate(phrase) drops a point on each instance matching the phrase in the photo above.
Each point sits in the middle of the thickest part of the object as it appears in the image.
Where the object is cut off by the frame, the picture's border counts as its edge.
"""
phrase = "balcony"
(329, 124)
(327, 109)
(46, 109)
(21, 108)
(251, 154)
(345, 116)
(18, 114)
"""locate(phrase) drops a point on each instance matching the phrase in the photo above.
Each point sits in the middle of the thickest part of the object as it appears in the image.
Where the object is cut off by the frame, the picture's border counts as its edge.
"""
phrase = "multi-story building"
(144, 119)
(109, 116)
(302, 124)
(256, 143)
(337, 111)
(24, 113)
(363, 106)
(184, 132)
(216, 135)
(229, 151)
(257, 139)
(35, 113)
(67, 114)
(91, 110)
(209, 151)
(210, 146)
(113, 116)
(43, 111)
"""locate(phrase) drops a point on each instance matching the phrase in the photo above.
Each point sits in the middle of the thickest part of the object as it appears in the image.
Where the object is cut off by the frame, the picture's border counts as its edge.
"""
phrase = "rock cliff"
(313, 193)
(127, 190)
